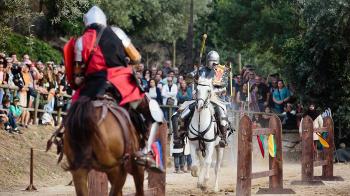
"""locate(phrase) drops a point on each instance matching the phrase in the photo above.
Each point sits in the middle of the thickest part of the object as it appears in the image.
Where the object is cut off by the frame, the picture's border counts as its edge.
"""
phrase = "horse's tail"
(81, 123)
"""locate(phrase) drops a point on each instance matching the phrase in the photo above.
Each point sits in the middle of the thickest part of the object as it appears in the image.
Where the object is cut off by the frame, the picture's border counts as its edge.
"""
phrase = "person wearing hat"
(18, 113)
(11, 125)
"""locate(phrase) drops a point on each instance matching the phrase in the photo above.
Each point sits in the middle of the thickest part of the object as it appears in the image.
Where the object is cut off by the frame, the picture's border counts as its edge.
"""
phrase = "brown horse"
(99, 135)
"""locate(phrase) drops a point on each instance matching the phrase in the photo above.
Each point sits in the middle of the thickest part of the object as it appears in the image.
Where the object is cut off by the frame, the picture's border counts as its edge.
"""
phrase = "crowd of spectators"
(22, 80)
(265, 94)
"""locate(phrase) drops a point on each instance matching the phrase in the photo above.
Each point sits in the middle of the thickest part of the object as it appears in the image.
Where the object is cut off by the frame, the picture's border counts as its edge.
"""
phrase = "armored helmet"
(212, 58)
(95, 15)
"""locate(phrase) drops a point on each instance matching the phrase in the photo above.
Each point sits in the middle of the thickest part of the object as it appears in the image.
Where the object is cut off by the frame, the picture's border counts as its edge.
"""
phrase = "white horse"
(203, 136)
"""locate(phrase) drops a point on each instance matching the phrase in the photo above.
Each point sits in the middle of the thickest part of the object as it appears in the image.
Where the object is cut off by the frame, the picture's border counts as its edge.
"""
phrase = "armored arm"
(79, 66)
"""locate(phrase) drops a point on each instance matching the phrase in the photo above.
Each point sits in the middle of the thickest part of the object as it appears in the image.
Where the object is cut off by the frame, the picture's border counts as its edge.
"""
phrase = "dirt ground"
(50, 179)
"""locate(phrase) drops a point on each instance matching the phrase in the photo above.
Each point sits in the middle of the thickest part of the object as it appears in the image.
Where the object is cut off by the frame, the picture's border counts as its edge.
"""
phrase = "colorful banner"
(322, 141)
(272, 145)
(261, 144)
(158, 153)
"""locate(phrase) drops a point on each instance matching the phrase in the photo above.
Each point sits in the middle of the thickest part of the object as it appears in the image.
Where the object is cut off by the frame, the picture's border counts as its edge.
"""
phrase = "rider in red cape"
(100, 64)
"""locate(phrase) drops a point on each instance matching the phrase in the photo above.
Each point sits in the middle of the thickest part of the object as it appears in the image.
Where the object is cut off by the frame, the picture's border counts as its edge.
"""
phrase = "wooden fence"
(308, 158)
(244, 161)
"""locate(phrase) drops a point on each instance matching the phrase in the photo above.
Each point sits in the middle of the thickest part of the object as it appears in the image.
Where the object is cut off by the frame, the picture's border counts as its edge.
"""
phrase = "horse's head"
(203, 93)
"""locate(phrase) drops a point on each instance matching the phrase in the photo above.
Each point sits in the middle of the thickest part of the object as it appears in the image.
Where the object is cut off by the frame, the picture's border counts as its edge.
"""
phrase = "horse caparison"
(99, 135)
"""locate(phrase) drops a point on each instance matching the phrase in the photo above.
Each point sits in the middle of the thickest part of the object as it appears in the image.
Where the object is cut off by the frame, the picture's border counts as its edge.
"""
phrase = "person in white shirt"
(169, 92)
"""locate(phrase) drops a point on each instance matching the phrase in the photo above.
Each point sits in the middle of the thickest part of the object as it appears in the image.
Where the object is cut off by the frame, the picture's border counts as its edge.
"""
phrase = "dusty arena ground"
(51, 180)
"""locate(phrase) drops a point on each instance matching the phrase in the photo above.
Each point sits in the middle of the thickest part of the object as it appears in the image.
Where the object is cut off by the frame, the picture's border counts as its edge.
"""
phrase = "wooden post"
(327, 170)
(98, 183)
(36, 107)
(276, 163)
(155, 180)
(31, 186)
(307, 154)
(244, 158)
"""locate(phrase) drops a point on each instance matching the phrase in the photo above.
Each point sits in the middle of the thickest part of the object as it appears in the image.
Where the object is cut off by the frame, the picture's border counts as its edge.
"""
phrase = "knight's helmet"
(213, 58)
(95, 15)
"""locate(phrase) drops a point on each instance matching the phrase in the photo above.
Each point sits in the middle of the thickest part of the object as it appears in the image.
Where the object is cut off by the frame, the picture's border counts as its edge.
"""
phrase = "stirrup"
(147, 160)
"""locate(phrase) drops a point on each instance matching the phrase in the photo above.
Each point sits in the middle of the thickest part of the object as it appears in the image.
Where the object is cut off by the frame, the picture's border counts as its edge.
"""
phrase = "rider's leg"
(142, 107)
(222, 122)
(184, 116)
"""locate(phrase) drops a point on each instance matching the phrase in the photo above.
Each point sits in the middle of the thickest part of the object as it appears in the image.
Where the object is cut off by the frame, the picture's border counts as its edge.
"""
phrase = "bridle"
(206, 101)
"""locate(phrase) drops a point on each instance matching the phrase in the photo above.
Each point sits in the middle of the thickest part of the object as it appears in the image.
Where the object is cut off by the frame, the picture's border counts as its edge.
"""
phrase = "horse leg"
(138, 175)
(80, 177)
(116, 177)
(207, 163)
(219, 156)
(194, 168)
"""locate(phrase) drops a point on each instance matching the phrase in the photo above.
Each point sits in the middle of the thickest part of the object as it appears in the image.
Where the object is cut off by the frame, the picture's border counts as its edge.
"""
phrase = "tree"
(319, 58)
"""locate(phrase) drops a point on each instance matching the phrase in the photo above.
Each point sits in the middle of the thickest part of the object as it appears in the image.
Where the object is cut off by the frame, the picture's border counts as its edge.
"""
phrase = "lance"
(204, 38)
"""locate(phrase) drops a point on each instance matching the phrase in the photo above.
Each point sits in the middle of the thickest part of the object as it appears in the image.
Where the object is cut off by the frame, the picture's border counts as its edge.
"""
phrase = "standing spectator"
(160, 72)
(265, 118)
(166, 68)
(180, 79)
(263, 93)
(280, 97)
(169, 93)
(47, 118)
(253, 105)
(153, 72)
(176, 71)
(242, 96)
(184, 93)
(172, 75)
(154, 92)
(146, 76)
(158, 80)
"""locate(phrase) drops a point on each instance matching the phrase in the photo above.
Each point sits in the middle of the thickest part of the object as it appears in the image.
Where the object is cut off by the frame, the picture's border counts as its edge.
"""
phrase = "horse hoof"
(203, 188)
(194, 171)
(216, 190)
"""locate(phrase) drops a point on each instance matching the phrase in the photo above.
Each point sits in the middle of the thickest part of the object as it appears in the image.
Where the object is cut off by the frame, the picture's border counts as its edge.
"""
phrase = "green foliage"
(39, 50)
(319, 58)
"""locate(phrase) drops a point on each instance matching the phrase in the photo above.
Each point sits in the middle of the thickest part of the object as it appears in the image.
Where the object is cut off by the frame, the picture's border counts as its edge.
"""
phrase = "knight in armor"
(186, 111)
(102, 64)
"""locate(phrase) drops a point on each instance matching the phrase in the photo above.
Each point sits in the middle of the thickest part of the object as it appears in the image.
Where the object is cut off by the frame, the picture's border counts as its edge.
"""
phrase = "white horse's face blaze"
(204, 88)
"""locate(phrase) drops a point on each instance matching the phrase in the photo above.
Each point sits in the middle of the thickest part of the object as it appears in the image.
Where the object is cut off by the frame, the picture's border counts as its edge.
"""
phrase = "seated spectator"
(289, 118)
(21, 114)
(47, 118)
(4, 121)
(11, 126)
(2, 79)
(184, 93)
(154, 92)
(265, 118)
(280, 97)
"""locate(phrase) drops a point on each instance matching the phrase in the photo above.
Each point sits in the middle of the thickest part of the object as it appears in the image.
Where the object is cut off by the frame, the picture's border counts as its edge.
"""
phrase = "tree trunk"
(189, 42)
